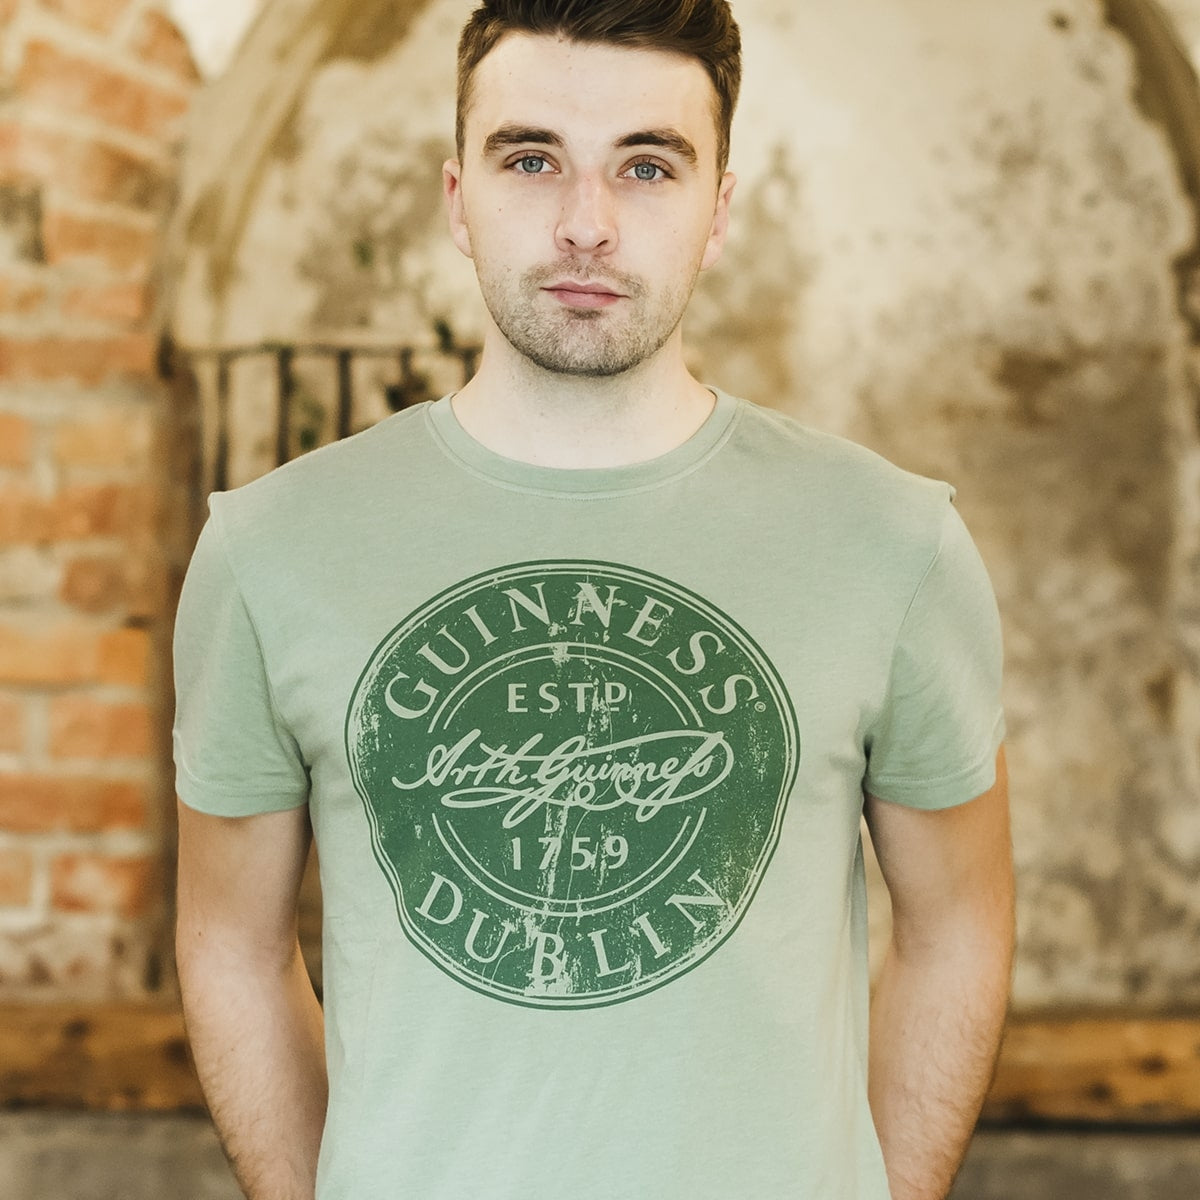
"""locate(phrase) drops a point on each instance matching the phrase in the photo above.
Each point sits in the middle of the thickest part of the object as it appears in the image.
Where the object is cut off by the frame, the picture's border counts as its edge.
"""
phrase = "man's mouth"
(583, 295)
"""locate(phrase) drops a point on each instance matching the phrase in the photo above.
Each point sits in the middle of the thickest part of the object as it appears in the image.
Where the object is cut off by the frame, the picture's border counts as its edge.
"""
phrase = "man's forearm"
(936, 1023)
(257, 1038)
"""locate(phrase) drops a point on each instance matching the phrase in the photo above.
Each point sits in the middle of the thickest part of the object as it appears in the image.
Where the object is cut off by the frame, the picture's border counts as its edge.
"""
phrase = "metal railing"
(409, 384)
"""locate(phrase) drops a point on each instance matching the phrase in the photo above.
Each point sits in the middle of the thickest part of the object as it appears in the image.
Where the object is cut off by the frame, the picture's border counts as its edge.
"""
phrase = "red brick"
(76, 512)
(73, 654)
(147, 588)
(159, 41)
(12, 725)
(89, 361)
(73, 84)
(101, 883)
(122, 303)
(102, 510)
(128, 584)
(124, 657)
(66, 804)
(24, 515)
(100, 16)
(16, 441)
(92, 169)
(20, 299)
(81, 727)
(67, 238)
(95, 585)
(118, 440)
(16, 877)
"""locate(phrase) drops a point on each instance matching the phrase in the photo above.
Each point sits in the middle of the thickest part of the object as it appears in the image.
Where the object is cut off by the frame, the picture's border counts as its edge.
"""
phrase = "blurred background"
(965, 235)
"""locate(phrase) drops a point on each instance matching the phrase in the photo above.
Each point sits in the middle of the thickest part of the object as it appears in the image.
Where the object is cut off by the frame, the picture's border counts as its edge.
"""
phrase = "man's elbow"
(207, 954)
(979, 931)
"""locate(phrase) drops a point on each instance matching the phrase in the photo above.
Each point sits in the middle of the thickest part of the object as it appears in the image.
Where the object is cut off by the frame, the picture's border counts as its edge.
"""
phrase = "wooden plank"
(1133, 1071)
(1099, 1069)
(107, 1058)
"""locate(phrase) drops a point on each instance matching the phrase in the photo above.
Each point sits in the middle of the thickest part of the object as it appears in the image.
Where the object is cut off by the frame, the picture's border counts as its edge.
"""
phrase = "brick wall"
(92, 96)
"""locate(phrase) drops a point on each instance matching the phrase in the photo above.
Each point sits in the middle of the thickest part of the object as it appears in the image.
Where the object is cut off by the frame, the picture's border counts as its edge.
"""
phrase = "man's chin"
(583, 368)
(558, 357)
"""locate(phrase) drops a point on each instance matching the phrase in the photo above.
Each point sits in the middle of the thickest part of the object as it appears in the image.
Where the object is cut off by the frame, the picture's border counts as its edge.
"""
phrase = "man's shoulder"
(826, 472)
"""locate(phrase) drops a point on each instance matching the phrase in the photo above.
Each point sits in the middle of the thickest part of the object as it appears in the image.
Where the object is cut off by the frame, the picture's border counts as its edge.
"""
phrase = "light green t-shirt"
(585, 752)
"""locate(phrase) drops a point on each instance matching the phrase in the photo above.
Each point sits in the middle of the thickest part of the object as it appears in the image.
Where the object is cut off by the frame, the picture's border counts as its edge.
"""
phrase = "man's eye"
(531, 164)
(648, 172)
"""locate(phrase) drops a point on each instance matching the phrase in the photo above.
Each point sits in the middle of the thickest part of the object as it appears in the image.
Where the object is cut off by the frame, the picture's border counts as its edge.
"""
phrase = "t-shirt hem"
(215, 804)
(216, 801)
(946, 791)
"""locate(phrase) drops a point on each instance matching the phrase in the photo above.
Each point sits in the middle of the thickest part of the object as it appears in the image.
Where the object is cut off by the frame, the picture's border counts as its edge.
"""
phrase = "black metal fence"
(409, 382)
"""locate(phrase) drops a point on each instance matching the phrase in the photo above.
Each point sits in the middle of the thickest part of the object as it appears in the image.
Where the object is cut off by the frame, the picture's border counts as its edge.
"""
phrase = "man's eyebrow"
(520, 135)
(664, 139)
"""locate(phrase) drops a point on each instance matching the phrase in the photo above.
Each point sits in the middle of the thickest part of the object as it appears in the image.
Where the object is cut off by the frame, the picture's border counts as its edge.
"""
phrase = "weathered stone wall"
(956, 240)
(964, 235)
(91, 94)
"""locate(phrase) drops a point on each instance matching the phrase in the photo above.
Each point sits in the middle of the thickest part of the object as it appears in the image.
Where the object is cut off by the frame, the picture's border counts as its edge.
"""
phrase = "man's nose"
(588, 218)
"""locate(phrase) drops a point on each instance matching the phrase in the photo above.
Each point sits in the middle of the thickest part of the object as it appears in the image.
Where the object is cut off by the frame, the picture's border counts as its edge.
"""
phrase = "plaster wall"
(214, 29)
(1185, 16)
(955, 240)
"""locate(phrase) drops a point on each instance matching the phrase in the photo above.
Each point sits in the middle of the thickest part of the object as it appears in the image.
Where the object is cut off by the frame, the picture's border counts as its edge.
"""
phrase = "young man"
(580, 676)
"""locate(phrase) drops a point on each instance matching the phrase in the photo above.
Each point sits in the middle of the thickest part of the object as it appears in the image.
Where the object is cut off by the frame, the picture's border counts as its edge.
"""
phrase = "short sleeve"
(934, 742)
(233, 754)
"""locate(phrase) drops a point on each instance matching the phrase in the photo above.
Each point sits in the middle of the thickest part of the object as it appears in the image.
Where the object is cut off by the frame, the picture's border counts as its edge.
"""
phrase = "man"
(580, 676)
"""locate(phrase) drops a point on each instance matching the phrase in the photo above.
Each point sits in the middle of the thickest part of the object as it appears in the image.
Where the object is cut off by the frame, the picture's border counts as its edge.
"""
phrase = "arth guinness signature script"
(573, 774)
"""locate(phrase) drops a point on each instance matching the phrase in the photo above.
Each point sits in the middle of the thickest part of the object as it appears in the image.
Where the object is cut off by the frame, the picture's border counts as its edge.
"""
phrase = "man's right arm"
(254, 1022)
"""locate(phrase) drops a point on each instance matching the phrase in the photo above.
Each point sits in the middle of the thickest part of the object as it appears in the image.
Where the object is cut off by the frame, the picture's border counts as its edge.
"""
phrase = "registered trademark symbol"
(760, 707)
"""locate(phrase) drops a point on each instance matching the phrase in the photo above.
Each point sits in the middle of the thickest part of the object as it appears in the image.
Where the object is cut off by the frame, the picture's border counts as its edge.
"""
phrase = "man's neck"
(522, 412)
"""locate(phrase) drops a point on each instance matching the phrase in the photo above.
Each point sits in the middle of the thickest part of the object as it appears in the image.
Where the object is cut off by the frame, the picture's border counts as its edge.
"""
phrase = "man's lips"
(583, 295)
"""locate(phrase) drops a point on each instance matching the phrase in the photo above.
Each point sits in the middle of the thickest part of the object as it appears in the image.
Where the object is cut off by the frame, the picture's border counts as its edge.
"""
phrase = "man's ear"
(720, 222)
(452, 190)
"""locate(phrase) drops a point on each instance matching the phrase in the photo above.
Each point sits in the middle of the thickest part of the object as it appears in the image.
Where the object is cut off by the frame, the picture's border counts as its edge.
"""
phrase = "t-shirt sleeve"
(234, 756)
(934, 742)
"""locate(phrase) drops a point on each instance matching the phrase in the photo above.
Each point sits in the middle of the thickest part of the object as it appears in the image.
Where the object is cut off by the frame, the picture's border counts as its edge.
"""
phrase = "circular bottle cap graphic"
(575, 775)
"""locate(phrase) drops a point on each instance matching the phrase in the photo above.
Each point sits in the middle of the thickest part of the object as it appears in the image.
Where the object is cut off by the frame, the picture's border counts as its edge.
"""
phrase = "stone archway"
(243, 123)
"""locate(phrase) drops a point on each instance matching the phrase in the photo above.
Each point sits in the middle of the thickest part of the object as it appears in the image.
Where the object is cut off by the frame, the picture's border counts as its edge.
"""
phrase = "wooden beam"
(1129, 1070)
(106, 1058)
(1134, 1071)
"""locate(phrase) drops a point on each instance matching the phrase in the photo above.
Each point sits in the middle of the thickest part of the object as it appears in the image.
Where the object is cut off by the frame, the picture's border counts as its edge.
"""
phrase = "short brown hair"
(702, 29)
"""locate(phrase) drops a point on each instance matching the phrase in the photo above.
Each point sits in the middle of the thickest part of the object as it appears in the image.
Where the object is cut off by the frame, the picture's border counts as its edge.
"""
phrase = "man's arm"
(255, 1025)
(940, 1002)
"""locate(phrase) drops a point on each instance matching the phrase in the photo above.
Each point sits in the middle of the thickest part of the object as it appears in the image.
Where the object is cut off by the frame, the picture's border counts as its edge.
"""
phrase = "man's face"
(588, 197)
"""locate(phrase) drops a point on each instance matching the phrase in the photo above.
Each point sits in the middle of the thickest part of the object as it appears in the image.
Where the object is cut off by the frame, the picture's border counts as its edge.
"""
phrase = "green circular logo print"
(575, 775)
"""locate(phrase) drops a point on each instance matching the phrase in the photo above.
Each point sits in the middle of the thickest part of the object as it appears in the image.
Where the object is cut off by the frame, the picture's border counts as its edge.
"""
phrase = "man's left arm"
(940, 1002)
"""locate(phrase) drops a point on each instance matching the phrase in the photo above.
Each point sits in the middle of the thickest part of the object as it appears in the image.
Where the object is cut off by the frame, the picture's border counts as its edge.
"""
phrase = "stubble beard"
(584, 343)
